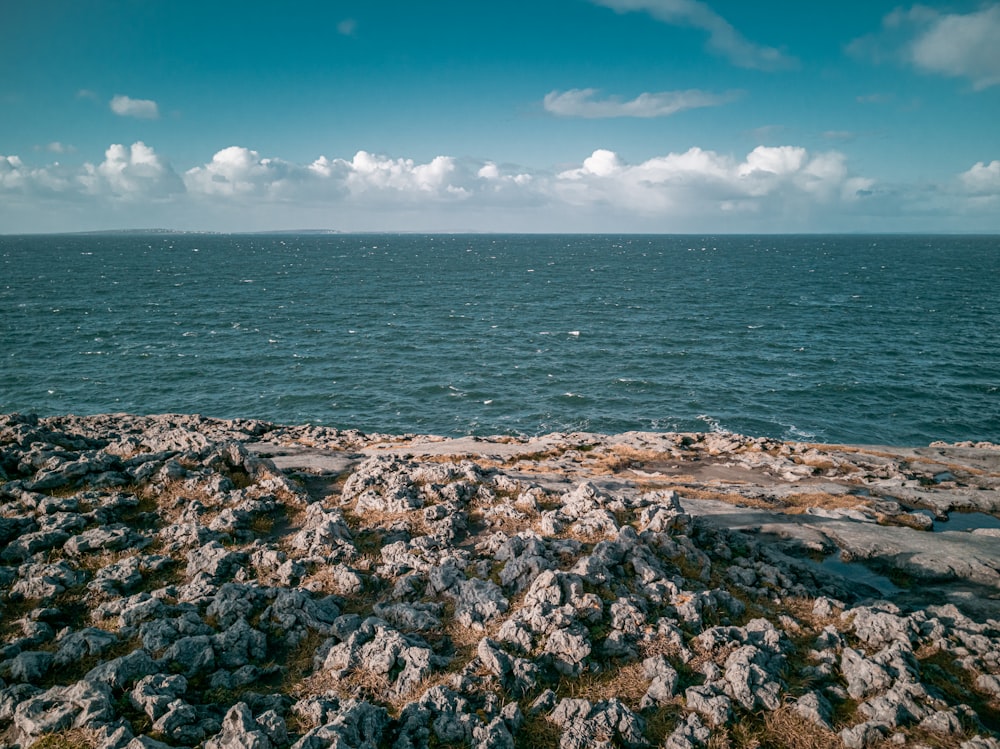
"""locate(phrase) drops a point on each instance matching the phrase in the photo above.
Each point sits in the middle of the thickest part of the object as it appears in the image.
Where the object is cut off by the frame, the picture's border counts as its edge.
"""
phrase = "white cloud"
(144, 109)
(17, 177)
(347, 27)
(982, 178)
(240, 171)
(582, 103)
(770, 188)
(700, 181)
(952, 44)
(134, 173)
(723, 39)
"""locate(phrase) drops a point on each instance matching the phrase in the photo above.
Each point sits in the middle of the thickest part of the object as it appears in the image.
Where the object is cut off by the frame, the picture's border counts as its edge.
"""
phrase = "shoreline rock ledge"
(180, 581)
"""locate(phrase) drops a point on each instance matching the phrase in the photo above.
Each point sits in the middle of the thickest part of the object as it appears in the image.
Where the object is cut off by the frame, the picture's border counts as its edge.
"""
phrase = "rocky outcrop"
(177, 581)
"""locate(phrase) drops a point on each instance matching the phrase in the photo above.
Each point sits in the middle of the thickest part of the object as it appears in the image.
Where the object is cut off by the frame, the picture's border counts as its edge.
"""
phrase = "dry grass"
(537, 732)
(74, 738)
(797, 503)
(627, 683)
(786, 729)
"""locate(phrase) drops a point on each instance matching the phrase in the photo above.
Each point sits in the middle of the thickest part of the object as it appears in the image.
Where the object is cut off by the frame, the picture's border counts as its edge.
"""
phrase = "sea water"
(859, 339)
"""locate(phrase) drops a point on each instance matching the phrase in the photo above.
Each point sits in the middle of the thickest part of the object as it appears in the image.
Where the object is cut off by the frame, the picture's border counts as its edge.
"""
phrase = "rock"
(863, 735)
(240, 731)
(864, 677)
(80, 705)
(663, 681)
(584, 724)
(154, 694)
(690, 733)
(814, 707)
(347, 723)
(713, 707)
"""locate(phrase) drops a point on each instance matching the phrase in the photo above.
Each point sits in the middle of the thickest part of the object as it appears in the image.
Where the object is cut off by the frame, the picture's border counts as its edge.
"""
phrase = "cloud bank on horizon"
(736, 151)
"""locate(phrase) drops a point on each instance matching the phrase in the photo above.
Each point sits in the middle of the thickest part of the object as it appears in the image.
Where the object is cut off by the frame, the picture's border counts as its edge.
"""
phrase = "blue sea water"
(860, 339)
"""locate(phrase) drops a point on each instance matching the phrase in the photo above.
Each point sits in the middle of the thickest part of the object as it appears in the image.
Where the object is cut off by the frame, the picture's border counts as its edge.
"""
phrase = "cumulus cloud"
(17, 177)
(953, 44)
(579, 102)
(723, 38)
(143, 109)
(982, 178)
(770, 188)
(698, 180)
(240, 171)
(133, 173)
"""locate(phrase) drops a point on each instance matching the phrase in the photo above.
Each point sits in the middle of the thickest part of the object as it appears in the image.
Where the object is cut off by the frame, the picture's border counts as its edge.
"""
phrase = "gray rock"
(583, 724)
(153, 694)
(663, 681)
(107, 538)
(413, 617)
(214, 560)
(29, 666)
(43, 581)
(751, 678)
(714, 707)
(190, 655)
(518, 675)
(180, 723)
(814, 707)
(569, 650)
(943, 722)
(864, 735)
(348, 723)
(239, 644)
(240, 731)
(864, 677)
(80, 705)
(120, 673)
(690, 733)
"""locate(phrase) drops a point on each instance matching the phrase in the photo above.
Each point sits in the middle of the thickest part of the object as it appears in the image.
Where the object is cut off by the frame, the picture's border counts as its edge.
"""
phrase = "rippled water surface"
(884, 339)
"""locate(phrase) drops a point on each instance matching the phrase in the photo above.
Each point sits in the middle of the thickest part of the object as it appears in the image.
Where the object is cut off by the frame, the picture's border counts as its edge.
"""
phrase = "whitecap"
(575, 333)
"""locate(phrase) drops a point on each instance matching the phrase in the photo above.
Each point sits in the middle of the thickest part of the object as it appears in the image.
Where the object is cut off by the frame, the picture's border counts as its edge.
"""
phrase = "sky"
(675, 116)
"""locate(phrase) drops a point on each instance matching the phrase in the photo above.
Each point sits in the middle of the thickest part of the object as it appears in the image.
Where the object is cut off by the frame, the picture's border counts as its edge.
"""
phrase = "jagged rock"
(813, 706)
(214, 560)
(29, 666)
(518, 675)
(348, 723)
(403, 660)
(84, 704)
(240, 731)
(690, 733)
(714, 707)
(43, 581)
(153, 694)
(751, 678)
(663, 681)
(412, 617)
(180, 723)
(106, 538)
(863, 735)
(864, 677)
(606, 723)
(119, 673)
(421, 551)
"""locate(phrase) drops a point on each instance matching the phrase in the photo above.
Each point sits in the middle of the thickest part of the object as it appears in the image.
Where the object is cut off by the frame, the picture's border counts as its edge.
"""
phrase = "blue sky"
(553, 115)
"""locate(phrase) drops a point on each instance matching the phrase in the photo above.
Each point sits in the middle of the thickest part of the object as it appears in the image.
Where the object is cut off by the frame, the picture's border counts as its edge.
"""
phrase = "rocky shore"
(178, 581)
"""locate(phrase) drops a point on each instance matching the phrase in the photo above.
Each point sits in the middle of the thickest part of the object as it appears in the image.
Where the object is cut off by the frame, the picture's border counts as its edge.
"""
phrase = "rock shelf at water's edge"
(179, 581)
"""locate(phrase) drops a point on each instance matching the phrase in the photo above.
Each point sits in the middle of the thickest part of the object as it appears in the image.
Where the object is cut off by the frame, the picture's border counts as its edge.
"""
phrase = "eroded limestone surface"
(181, 581)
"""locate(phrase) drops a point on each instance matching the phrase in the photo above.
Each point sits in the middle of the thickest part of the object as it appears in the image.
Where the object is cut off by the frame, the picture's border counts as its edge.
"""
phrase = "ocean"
(886, 339)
